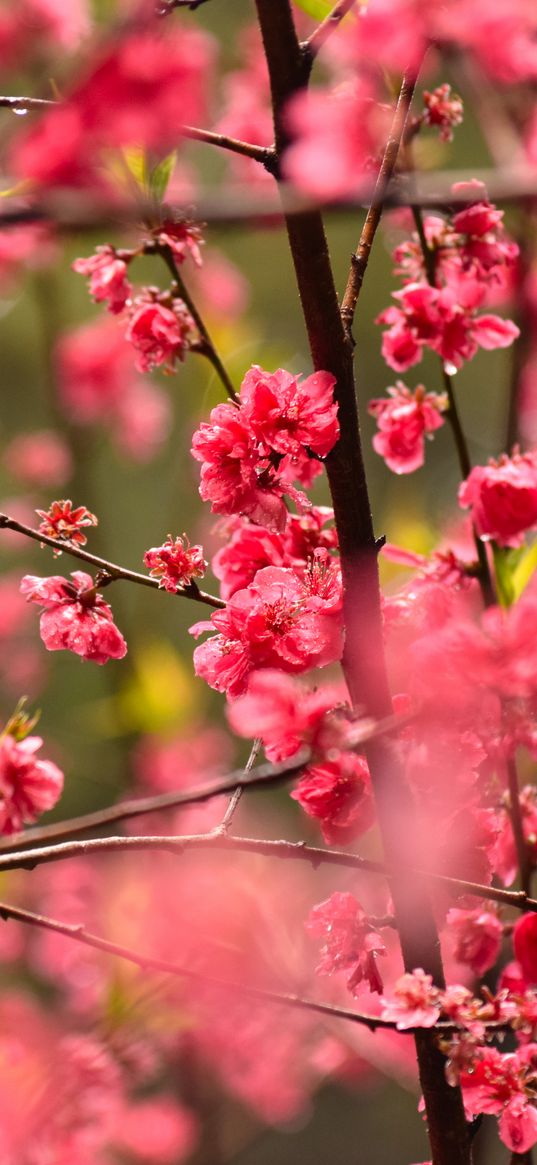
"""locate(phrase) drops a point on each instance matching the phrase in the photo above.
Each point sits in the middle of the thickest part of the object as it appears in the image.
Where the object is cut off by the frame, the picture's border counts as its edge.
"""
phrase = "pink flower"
(75, 617)
(63, 522)
(404, 420)
(351, 942)
(175, 563)
(183, 238)
(289, 416)
(503, 498)
(443, 109)
(98, 383)
(336, 137)
(278, 621)
(107, 276)
(506, 861)
(28, 786)
(525, 945)
(156, 1130)
(337, 792)
(414, 1003)
(478, 935)
(444, 320)
(236, 476)
(158, 334)
(285, 716)
(502, 1084)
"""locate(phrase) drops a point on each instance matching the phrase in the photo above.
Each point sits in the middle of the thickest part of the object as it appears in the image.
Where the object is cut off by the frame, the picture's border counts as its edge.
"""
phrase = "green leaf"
(524, 570)
(317, 9)
(506, 563)
(135, 161)
(160, 176)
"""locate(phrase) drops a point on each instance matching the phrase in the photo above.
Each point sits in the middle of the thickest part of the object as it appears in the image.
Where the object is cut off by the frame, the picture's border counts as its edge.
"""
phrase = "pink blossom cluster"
(251, 454)
(29, 786)
(98, 384)
(502, 498)
(469, 253)
(351, 941)
(404, 419)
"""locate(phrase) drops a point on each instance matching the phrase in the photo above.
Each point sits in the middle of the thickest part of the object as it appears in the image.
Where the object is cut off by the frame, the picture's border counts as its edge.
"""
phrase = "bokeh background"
(94, 719)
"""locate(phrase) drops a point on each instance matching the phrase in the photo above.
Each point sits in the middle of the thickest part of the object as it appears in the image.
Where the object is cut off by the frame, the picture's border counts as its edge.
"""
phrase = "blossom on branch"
(404, 420)
(107, 278)
(503, 498)
(175, 563)
(351, 942)
(28, 786)
(64, 523)
(160, 330)
(75, 616)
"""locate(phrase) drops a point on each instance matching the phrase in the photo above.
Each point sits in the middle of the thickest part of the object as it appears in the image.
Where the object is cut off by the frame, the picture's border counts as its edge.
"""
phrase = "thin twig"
(282, 850)
(110, 570)
(208, 349)
(18, 103)
(360, 258)
(227, 819)
(313, 45)
(78, 933)
(263, 776)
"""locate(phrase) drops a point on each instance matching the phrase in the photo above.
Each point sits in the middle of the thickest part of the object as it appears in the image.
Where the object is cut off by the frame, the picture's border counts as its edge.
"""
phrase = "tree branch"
(18, 103)
(218, 839)
(78, 933)
(329, 334)
(110, 570)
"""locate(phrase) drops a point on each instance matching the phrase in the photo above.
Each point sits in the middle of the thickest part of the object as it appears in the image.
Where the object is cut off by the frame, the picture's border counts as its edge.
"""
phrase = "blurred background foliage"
(92, 717)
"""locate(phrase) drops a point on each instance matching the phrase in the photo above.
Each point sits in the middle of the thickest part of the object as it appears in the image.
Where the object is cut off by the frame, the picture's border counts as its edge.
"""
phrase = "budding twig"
(111, 572)
(313, 45)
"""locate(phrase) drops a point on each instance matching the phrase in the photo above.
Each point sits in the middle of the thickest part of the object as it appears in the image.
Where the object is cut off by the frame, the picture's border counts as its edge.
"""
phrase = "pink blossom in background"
(351, 942)
(506, 860)
(176, 563)
(223, 286)
(28, 786)
(42, 458)
(98, 384)
(336, 137)
(404, 420)
(140, 93)
(478, 936)
(245, 107)
(107, 278)
(502, 497)
(30, 246)
(286, 716)
(75, 617)
(525, 945)
(275, 622)
(158, 1131)
(443, 109)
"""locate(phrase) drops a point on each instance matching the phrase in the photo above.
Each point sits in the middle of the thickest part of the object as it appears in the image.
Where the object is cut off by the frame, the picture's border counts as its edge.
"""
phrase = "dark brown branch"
(111, 572)
(78, 933)
(219, 839)
(313, 45)
(360, 258)
(263, 154)
(364, 663)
